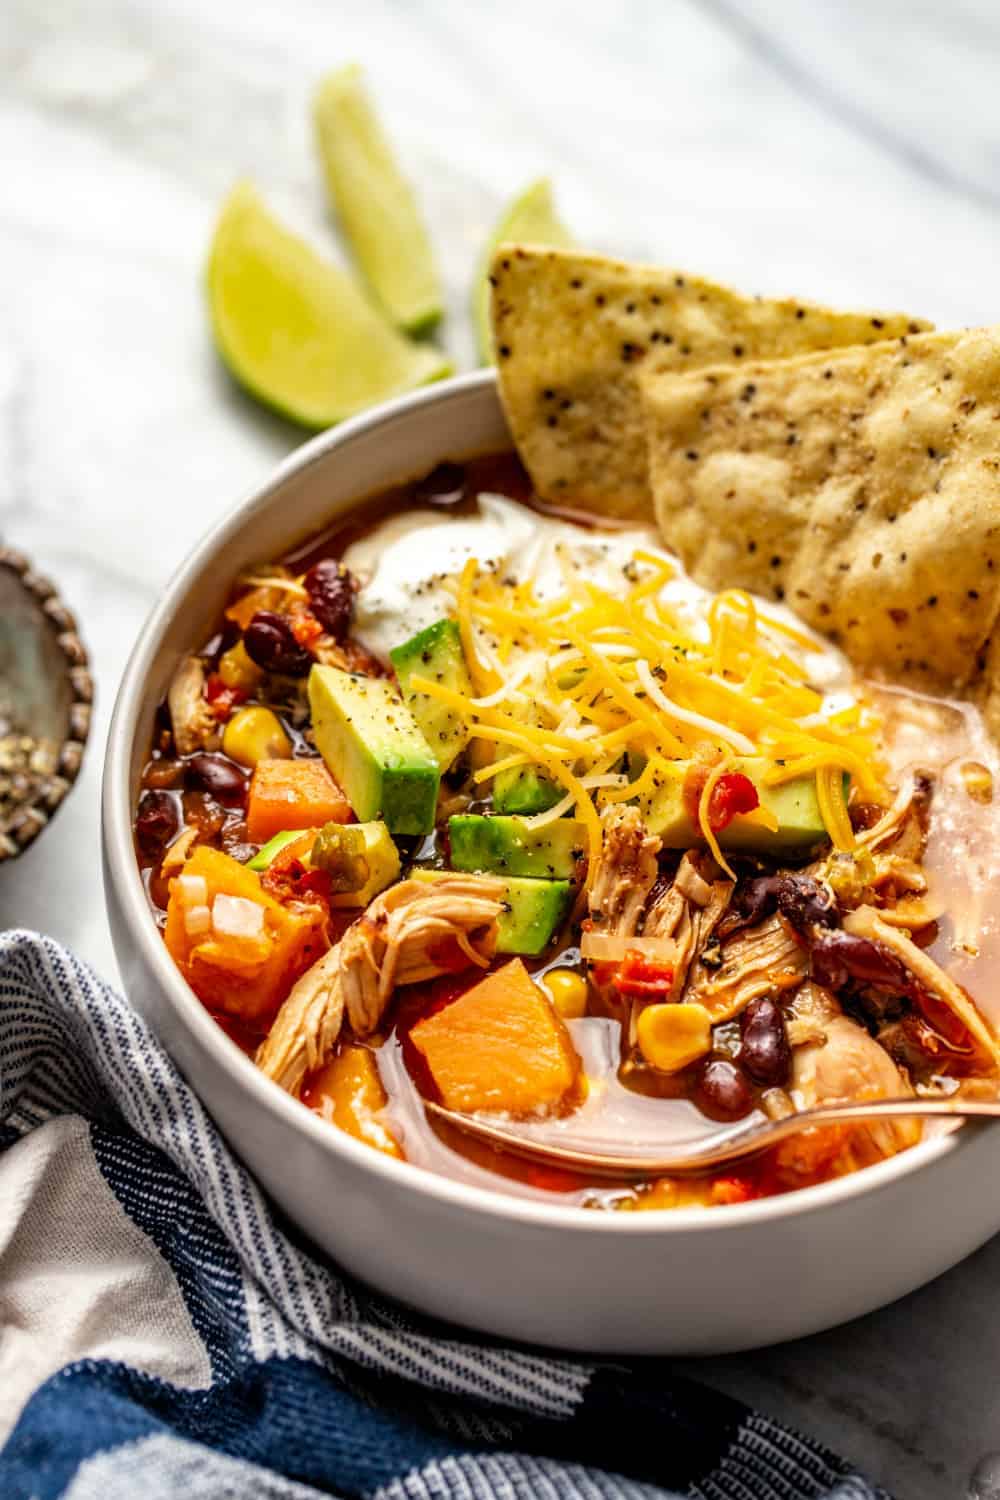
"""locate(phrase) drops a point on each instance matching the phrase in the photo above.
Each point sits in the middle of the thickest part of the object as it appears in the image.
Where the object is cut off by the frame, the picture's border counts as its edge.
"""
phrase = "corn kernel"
(254, 734)
(568, 992)
(237, 670)
(978, 781)
(671, 1036)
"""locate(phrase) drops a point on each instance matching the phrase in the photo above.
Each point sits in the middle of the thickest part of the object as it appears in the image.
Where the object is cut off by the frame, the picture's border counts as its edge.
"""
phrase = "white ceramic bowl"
(687, 1281)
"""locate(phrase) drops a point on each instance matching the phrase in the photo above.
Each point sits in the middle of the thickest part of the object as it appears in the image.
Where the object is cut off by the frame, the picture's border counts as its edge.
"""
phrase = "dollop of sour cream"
(404, 564)
(408, 567)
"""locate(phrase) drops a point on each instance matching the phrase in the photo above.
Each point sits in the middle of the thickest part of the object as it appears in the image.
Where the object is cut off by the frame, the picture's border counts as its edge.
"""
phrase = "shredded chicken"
(902, 874)
(868, 923)
(847, 1065)
(408, 934)
(688, 911)
(755, 961)
(695, 874)
(195, 726)
(808, 1013)
(626, 873)
(904, 825)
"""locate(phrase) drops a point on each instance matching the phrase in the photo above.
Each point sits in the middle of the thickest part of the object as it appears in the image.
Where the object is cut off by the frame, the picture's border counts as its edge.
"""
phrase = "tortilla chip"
(572, 331)
(860, 486)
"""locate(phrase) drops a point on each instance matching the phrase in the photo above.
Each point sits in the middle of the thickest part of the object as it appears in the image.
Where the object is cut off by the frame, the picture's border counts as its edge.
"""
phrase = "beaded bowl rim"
(29, 820)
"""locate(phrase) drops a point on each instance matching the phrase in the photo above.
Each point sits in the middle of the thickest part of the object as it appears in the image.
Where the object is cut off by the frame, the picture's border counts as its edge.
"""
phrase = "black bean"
(765, 1053)
(331, 592)
(802, 901)
(444, 485)
(270, 643)
(218, 776)
(722, 1090)
(157, 822)
(805, 903)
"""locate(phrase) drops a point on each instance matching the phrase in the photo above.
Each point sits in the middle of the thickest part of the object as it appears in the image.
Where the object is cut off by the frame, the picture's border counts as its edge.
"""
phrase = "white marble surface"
(843, 150)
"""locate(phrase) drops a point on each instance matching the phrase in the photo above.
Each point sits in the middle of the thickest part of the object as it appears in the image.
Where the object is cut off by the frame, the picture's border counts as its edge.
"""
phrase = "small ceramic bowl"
(684, 1281)
(45, 699)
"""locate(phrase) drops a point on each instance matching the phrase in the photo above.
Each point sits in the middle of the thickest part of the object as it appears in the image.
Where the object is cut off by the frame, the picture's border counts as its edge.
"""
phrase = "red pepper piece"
(639, 977)
(306, 629)
(733, 793)
(221, 699)
(734, 1190)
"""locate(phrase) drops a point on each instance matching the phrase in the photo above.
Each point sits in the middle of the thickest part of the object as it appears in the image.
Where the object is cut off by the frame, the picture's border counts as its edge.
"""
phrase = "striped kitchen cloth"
(163, 1334)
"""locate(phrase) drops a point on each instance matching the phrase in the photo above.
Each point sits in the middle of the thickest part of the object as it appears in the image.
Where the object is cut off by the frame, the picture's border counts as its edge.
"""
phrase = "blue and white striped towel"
(163, 1335)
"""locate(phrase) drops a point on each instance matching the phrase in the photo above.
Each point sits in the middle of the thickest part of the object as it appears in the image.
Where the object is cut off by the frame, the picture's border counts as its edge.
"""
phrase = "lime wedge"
(295, 329)
(531, 219)
(375, 204)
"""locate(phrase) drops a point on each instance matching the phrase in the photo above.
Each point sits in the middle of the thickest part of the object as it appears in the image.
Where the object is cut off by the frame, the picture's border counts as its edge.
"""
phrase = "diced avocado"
(361, 859)
(533, 911)
(435, 653)
(268, 853)
(793, 803)
(374, 750)
(525, 790)
(510, 846)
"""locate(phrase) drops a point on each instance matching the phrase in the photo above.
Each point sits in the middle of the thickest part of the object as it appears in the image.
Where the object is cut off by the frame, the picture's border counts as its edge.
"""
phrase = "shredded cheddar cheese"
(569, 683)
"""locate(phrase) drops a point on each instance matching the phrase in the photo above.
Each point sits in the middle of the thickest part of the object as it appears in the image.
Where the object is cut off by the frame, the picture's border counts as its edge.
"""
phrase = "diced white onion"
(236, 916)
(197, 919)
(193, 890)
(689, 716)
(611, 948)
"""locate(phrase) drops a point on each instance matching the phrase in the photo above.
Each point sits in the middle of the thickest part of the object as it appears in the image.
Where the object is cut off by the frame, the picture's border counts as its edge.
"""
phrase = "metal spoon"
(722, 1147)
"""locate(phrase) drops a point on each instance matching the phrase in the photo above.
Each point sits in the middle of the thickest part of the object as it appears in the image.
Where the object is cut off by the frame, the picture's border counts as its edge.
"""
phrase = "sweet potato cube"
(500, 1046)
(237, 962)
(286, 794)
(349, 1091)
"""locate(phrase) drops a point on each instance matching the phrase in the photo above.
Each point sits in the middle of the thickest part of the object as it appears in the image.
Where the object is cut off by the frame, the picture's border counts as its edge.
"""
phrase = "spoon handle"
(730, 1144)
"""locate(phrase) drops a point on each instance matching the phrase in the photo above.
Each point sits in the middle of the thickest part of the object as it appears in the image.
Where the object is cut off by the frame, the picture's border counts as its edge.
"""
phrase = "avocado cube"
(374, 750)
(510, 846)
(534, 910)
(793, 803)
(525, 790)
(435, 653)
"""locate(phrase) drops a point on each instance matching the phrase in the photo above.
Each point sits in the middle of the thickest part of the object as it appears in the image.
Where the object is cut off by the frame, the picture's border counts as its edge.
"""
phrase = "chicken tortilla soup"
(477, 800)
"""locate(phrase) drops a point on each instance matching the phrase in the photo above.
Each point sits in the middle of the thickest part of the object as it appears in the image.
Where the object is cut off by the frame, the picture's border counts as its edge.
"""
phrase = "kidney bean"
(840, 957)
(269, 642)
(204, 815)
(331, 590)
(722, 1090)
(765, 1053)
(163, 774)
(157, 822)
(220, 777)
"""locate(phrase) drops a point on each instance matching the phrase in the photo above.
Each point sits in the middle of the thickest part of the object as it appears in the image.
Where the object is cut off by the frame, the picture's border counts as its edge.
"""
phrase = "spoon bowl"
(716, 1148)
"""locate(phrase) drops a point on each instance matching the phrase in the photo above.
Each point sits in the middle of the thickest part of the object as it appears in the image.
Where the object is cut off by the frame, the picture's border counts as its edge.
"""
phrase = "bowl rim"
(37, 814)
(122, 873)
